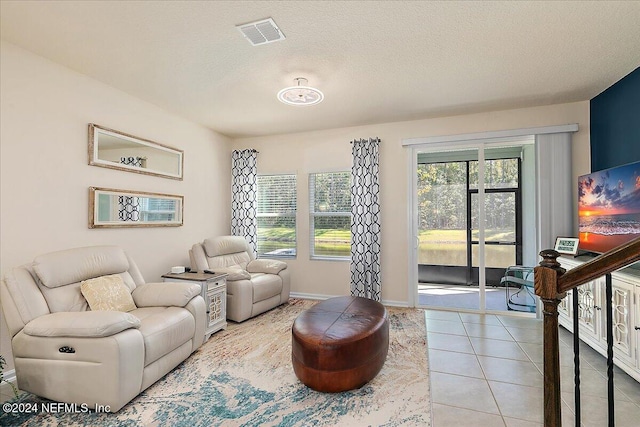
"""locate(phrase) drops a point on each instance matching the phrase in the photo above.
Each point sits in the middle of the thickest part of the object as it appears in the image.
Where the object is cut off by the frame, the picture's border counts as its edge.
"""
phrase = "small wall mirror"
(121, 208)
(116, 150)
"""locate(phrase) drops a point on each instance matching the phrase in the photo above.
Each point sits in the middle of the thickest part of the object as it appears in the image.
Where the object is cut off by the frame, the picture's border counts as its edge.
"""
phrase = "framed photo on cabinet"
(567, 245)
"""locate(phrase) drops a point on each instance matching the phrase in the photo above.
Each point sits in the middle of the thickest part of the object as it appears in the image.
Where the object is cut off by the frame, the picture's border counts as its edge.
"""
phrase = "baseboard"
(390, 303)
(9, 376)
(301, 295)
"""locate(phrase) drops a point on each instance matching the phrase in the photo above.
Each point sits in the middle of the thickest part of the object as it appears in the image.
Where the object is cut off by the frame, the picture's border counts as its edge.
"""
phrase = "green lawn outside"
(278, 234)
(439, 236)
(271, 239)
(440, 247)
(332, 242)
(449, 247)
(328, 242)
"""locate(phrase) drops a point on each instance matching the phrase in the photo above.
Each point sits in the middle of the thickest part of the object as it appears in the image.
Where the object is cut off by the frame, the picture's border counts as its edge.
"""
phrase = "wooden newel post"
(546, 287)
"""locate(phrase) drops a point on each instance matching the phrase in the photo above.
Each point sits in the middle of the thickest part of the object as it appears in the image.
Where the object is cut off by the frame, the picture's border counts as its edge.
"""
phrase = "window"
(330, 214)
(276, 216)
(156, 209)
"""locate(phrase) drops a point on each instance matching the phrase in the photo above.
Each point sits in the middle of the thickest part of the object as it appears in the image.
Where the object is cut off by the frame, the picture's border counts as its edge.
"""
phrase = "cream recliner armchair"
(253, 285)
(66, 352)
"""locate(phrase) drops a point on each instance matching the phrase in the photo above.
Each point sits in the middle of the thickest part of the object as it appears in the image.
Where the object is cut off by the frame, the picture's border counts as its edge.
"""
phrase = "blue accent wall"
(615, 124)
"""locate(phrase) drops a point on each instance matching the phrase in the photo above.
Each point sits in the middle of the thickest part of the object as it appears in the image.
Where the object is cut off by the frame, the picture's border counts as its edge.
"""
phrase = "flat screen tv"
(609, 207)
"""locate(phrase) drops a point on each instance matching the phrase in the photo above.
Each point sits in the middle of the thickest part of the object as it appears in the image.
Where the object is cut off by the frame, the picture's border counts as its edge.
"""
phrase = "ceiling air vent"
(261, 32)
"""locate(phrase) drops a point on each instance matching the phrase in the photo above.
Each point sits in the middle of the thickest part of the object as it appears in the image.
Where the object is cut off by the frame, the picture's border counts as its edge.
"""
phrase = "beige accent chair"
(253, 285)
(65, 352)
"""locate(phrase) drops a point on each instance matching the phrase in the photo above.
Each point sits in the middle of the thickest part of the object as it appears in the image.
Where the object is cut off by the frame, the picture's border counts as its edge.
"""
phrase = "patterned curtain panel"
(129, 207)
(365, 220)
(244, 188)
(139, 162)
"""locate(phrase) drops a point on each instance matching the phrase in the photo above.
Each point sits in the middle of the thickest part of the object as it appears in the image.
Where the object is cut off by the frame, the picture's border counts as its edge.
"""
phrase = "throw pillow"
(107, 293)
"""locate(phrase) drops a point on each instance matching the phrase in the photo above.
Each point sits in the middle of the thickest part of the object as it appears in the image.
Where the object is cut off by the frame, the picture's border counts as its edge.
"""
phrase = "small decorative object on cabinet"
(625, 294)
(567, 245)
(214, 291)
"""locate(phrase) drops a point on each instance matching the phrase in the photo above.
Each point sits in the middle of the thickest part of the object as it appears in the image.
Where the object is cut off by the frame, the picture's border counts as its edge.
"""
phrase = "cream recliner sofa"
(65, 352)
(253, 285)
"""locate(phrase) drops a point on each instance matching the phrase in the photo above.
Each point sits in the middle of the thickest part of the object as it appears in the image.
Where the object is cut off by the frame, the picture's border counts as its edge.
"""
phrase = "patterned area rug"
(243, 376)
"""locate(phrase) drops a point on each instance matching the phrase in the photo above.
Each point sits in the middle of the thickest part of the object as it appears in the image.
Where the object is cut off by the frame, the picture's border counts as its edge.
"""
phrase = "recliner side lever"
(66, 349)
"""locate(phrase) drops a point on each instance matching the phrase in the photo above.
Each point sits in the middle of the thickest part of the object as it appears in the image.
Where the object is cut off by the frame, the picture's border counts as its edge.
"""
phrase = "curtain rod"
(376, 139)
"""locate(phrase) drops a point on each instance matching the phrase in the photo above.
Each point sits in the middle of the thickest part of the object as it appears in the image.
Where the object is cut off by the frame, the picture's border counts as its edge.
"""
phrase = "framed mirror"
(109, 148)
(109, 207)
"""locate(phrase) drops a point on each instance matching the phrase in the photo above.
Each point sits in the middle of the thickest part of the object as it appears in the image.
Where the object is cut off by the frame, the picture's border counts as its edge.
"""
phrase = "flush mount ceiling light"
(301, 94)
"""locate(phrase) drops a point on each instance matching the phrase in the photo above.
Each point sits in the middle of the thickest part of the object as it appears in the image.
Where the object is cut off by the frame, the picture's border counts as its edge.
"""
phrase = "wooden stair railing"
(551, 285)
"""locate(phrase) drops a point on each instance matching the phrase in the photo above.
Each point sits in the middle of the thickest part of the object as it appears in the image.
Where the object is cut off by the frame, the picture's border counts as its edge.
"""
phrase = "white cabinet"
(213, 288)
(636, 332)
(622, 296)
(565, 308)
(590, 307)
(592, 315)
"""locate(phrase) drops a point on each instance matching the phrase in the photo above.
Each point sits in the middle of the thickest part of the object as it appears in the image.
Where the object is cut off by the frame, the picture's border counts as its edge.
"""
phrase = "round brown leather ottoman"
(340, 343)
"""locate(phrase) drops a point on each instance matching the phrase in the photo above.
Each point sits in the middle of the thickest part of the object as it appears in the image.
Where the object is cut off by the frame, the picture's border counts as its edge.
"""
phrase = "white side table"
(213, 288)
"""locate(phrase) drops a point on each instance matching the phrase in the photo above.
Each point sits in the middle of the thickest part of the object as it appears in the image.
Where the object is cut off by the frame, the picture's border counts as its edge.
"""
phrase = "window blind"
(276, 215)
(330, 214)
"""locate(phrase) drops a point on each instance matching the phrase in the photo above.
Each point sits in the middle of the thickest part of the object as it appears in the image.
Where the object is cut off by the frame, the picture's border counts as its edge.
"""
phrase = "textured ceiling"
(375, 61)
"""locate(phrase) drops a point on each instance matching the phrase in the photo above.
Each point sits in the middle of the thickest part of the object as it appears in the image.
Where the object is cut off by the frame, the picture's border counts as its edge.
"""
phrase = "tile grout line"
(474, 410)
(464, 376)
(484, 374)
(517, 342)
(530, 340)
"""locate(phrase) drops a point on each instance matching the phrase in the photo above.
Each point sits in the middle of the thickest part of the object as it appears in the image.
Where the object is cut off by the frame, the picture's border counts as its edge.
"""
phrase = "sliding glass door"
(502, 216)
(457, 257)
(443, 220)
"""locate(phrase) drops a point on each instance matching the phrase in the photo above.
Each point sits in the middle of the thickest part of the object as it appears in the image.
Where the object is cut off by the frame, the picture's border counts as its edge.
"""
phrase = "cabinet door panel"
(622, 304)
(564, 308)
(636, 323)
(589, 307)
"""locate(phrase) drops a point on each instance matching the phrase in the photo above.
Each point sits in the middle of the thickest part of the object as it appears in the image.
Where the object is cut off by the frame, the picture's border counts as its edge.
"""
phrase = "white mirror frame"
(96, 131)
(94, 209)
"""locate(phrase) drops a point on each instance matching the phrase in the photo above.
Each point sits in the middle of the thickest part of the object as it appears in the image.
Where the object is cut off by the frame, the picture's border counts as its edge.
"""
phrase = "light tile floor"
(486, 371)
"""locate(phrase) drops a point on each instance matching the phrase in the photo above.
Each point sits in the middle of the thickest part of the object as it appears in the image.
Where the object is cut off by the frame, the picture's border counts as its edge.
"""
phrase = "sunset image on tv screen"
(609, 207)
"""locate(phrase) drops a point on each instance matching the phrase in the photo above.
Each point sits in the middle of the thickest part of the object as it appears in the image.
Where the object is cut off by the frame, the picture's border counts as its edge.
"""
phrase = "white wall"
(45, 177)
(329, 150)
